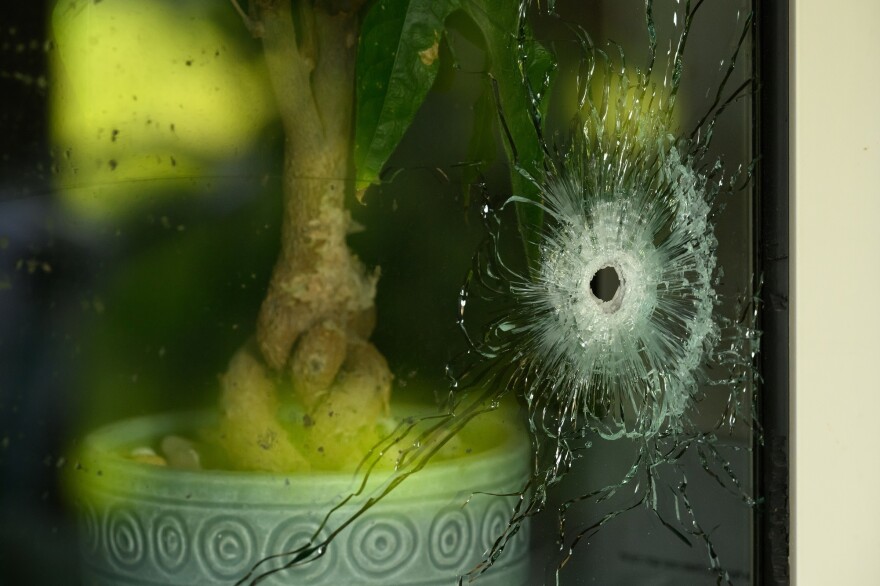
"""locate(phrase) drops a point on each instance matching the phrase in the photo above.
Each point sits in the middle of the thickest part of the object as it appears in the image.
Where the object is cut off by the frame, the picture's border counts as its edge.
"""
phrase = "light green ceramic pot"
(146, 525)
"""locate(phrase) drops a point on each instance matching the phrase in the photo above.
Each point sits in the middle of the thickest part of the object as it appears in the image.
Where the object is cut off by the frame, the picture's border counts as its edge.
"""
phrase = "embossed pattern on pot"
(145, 525)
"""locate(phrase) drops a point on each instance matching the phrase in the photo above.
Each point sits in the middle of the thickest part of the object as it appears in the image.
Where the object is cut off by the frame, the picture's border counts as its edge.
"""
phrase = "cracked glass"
(325, 292)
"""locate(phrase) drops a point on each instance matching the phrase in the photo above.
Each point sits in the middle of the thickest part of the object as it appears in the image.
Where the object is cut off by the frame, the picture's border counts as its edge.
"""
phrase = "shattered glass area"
(625, 366)
(625, 190)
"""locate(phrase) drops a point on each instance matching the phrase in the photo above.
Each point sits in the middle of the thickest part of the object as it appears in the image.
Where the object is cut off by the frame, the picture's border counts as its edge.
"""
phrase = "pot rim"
(103, 467)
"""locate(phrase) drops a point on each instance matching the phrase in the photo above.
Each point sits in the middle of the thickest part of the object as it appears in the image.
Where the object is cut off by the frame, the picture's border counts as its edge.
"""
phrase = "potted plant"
(625, 194)
(307, 403)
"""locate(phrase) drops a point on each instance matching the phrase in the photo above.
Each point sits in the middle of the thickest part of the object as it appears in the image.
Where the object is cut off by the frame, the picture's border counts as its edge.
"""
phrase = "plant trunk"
(319, 311)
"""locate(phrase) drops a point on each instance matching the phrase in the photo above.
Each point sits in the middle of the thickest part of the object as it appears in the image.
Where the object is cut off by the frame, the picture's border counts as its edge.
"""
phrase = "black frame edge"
(772, 458)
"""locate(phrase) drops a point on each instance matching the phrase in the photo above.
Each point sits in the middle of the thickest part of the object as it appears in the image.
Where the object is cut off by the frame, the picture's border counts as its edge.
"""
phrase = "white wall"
(836, 296)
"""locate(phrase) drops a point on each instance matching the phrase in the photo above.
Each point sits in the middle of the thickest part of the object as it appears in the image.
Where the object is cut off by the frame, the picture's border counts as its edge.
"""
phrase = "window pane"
(485, 279)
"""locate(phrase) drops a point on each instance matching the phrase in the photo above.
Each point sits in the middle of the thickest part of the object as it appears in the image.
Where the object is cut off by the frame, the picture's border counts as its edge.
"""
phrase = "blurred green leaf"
(396, 65)
(520, 68)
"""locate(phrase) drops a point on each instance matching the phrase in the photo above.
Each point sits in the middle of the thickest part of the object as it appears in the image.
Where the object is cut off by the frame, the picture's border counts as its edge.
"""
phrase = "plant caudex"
(314, 325)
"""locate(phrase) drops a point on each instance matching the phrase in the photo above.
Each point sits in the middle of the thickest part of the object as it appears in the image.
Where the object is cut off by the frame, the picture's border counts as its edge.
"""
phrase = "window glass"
(491, 265)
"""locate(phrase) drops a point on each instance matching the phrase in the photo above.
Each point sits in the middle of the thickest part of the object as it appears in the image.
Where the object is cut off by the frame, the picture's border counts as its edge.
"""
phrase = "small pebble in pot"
(180, 453)
(147, 456)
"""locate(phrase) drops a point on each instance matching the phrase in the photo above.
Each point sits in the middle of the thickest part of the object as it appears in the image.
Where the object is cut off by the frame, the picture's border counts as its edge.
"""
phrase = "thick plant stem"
(319, 310)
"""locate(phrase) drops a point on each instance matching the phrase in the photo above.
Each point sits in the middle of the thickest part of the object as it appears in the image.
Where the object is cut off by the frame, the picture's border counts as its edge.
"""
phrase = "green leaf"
(398, 62)
(396, 65)
(516, 58)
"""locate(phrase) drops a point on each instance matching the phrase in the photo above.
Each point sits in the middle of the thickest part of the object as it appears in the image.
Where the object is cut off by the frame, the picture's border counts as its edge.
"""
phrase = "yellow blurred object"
(632, 106)
(147, 91)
